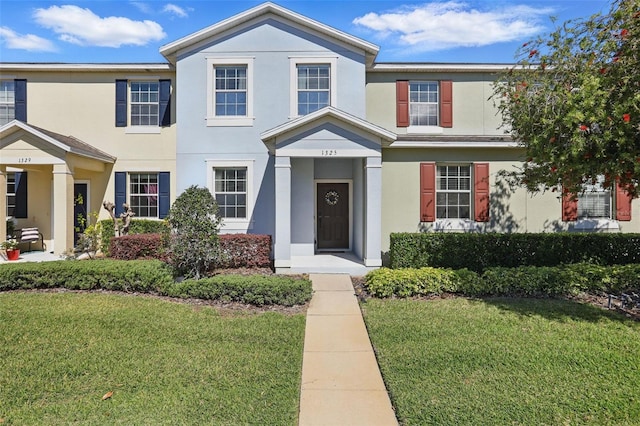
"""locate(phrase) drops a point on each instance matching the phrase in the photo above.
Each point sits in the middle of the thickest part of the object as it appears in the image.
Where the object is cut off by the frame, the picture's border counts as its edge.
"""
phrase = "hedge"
(499, 281)
(480, 251)
(136, 226)
(153, 276)
(245, 251)
(138, 246)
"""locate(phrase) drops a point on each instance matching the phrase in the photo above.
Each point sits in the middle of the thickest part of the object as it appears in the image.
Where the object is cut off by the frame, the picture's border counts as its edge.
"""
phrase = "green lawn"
(166, 363)
(506, 361)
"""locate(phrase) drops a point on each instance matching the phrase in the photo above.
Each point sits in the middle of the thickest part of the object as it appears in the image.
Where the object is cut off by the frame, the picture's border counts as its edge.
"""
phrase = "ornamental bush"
(245, 251)
(136, 226)
(194, 221)
(138, 246)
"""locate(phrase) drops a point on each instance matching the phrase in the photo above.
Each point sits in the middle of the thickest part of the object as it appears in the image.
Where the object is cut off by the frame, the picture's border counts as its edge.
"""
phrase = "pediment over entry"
(328, 132)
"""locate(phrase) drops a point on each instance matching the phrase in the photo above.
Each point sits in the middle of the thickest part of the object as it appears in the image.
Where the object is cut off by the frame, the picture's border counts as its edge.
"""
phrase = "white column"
(373, 211)
(3, 203)
(63, 208)
(282, 247)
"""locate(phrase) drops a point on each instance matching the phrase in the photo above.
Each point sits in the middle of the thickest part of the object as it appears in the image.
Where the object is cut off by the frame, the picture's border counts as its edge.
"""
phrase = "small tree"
(195, 224)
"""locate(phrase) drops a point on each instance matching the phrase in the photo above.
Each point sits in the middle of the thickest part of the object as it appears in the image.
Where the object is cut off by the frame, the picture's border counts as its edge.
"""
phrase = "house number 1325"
(329, 152)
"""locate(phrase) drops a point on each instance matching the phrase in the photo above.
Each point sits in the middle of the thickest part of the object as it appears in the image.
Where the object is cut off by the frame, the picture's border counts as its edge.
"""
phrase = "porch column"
(282, 248)
(62, 208)
(3, 203)
(373, 211)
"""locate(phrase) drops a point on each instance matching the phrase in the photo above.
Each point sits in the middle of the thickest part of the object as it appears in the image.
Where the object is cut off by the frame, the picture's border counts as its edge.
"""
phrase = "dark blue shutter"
(121, 103)
(20, 87)
(21, 195)
(165, 103)
(121, 191)
(164, 200)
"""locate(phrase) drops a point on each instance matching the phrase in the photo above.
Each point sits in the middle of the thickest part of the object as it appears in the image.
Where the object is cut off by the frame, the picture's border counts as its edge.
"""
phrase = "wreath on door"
(331, 198)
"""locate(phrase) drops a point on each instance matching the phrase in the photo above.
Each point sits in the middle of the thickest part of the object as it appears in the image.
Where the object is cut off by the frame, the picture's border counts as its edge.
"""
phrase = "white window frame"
(234, 224)
(130, 193)
(136, 129)
(11, 176)
(226, 120)
(470, 191)
(294, 61)
(425, 129)
(8, 105)
(596, 190)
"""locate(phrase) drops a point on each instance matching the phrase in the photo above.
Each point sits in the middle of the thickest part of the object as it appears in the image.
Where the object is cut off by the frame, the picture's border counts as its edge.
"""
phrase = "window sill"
(425, 130)
(155, 130)
(596, 224)
(455, 225)
(236, 225)
(230, 121)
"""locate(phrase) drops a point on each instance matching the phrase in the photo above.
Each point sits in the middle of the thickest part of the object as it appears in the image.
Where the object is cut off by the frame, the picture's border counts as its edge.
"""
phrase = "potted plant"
(10, 247)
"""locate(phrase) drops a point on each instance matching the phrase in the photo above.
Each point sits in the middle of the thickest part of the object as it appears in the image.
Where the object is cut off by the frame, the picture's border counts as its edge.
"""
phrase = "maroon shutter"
(569, 206)
(481, 191)
(623, 204)
(402, 103)
(446, 103)
(427, 192)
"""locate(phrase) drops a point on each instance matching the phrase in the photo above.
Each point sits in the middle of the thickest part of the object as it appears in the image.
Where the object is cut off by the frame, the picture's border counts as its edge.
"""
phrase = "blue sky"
(406, 31)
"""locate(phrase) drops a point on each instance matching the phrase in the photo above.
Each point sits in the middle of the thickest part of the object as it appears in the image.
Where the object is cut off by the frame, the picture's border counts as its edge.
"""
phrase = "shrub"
(195, 224)
(386, 282)
(136, 226)
(480, 251)
(138, 246)
(255, 289)
(245, 250)
(142, 276)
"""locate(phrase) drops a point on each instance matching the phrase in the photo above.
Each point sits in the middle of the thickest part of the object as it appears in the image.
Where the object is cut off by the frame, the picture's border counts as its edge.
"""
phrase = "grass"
(506, 361)
(165, 363)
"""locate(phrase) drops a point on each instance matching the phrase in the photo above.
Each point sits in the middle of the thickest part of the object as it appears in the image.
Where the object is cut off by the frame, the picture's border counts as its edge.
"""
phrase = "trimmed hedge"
(147, 276)
(136, 226)
(255, 289)
(245, 251)
(137, 246)
(519, 281)
(480, 251)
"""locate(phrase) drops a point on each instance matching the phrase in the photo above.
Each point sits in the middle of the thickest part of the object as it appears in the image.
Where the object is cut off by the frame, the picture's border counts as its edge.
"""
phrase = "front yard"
(506, 361)
(164, 362)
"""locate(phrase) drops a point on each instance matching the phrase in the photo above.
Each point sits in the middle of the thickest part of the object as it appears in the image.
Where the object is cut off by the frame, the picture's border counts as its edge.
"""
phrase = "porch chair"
(32, 235)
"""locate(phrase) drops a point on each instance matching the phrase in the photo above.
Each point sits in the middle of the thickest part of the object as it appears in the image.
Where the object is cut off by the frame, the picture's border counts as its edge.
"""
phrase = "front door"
(333, 216)
(79, 210)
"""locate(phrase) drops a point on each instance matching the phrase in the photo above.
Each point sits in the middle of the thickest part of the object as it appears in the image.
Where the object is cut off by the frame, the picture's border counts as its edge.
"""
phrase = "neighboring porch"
(328, 184)
(50, 178)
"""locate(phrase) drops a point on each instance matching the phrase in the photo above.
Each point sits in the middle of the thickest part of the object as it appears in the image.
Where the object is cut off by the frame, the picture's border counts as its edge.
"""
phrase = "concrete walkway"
(341, 382)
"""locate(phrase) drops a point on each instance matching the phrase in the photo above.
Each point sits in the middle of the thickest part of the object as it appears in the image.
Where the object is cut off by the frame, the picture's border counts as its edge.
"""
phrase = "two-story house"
(296, 130)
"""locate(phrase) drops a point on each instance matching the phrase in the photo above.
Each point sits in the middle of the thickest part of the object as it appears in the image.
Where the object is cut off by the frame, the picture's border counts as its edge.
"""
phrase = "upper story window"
(230, 92)
(424, 106)
(143, 106)
(7, 101)
(314, 83)
(595, 201)
(423, 103)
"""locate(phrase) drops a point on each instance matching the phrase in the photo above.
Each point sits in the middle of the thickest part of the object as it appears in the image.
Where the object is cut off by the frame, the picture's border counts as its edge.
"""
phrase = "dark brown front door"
(333, 215)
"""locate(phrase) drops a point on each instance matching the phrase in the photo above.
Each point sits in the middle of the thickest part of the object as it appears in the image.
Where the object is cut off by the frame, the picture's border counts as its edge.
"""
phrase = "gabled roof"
(170, 50)
(323, 114)
(66, 143)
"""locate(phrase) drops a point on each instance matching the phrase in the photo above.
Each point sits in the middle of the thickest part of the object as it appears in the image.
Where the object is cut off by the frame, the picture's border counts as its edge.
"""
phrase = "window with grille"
(595, 201)
(143, 194)
(230, 187)
(453, 192)
(231, 90)
(11, 194)
(7, 101)
(314, 87)
(423, 103)
(144, 103)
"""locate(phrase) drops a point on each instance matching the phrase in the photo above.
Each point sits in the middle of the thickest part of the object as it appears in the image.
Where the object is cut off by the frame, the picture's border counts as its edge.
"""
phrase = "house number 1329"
(329, 152)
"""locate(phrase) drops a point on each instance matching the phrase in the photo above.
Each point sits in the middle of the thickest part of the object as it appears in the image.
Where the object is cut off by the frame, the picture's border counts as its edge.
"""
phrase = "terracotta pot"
(13, 254)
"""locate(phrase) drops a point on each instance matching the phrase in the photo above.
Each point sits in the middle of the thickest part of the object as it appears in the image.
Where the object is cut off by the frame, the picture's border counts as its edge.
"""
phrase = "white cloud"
(30, 42)
(176, 10)
(142, 7)
(85, 28)
(444, 25)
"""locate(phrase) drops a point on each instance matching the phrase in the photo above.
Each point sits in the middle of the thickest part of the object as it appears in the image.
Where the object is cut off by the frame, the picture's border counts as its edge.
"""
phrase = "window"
(7, 101)
(595, 201)
(11, 194)
(143, 194)
(230, 92)
(453, 192)
(231, 192)
(423, 103)
(314, 84)
(144, 97)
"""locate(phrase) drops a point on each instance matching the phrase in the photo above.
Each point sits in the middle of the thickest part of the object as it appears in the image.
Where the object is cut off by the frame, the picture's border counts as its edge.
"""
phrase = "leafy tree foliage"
(195, 224)
(573, 102)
